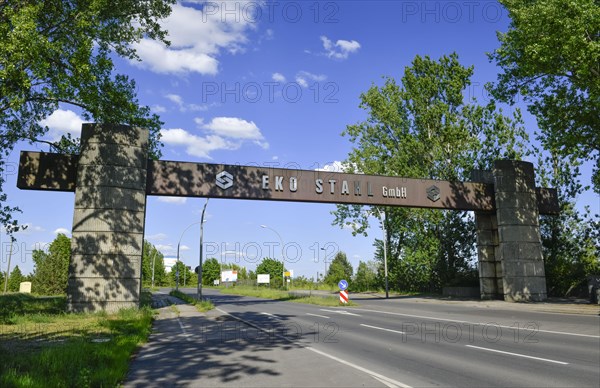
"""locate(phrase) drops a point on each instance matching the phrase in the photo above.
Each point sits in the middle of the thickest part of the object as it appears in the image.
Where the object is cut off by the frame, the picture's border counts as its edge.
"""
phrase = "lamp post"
(202, 221)
(8, 268)
(153, 256)
(282, 252)
(325, 262)
(177, 263)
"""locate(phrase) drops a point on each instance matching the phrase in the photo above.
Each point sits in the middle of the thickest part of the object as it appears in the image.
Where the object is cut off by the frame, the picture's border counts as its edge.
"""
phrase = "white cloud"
(341, 49)
(184, 107)
(64, 231)
(234, 127)
(157, 237)
(336, 166)
(226, 133)
(184, 248)
(158, 109)
(61, 122)
(278, 77)
(197, 145)
(175, 200)
(303, 77)
(302, 82)
(175, 98)
(197, 38)
(165, 248)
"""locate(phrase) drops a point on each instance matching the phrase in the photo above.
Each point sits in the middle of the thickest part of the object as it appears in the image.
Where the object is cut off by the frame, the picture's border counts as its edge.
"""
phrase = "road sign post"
(343, 297)
(343, 284)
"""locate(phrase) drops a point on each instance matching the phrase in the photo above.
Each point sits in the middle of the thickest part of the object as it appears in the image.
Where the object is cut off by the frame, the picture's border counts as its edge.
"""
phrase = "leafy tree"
(272, 267)
(186, 276)
(365, 278)
(151, 254)
(340, 268)
(242, 272)
(550, 56)
(211, 271)
(51, 269)
(60, 53)
(571, 239)
(422, 127)
(15, 279)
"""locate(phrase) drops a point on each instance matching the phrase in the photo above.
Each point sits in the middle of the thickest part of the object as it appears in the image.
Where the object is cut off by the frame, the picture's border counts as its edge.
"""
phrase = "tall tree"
(152, 255)
(422, 127)
(272, 267)
(51, 269)
(571, 239)
(211, 271)
(60, 54)
(550, 56)
(340, 268)
(15, 279)
(186, 276)
(366, 277)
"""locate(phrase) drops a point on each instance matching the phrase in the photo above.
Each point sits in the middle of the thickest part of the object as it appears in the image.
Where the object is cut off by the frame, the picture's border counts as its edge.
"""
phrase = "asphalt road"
(412, 343)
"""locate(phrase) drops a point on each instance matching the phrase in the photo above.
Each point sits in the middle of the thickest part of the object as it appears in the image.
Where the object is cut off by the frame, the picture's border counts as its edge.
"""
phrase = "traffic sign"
(343, 297)
(343, 284)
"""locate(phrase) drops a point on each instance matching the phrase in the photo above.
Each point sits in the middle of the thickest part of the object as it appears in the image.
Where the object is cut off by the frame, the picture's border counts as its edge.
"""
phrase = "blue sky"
(269, 83)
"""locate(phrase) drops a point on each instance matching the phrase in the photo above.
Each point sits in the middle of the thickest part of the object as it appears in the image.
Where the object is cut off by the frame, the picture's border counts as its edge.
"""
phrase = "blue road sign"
(343, 285)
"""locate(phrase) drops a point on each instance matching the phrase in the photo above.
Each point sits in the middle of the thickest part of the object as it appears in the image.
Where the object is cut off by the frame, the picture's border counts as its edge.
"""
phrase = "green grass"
(202, 306)
(48, 347)
(267, 293)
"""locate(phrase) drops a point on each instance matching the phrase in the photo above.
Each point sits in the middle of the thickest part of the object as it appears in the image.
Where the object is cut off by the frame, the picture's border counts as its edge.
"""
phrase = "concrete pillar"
(486, 226)
(108, 224)
(520, 247)
(490, 267)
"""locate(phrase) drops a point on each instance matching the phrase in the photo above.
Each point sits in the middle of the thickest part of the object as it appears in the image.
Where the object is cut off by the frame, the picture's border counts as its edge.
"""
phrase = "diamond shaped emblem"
(224, 180)
(433, 193)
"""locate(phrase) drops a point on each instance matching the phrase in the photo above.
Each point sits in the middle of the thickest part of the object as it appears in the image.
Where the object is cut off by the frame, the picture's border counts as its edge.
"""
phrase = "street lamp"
(178, 245)
(282, 252)
(153, 256)
(385, 268)
(324, 261)
(202, 221)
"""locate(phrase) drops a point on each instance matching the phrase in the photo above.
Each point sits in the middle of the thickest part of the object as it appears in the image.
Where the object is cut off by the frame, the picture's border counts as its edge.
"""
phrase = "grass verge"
(267, 293)
(202, 306)
(42, 345)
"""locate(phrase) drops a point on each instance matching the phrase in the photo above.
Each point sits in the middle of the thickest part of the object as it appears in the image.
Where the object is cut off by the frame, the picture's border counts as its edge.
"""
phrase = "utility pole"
(199, 286)
(8, 269)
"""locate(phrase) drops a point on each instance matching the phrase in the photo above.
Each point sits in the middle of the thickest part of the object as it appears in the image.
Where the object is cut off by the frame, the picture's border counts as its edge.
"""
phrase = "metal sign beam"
(44, 171)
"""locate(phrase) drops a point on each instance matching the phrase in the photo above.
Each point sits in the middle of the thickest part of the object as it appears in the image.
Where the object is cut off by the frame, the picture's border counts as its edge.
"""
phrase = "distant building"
(169, 263)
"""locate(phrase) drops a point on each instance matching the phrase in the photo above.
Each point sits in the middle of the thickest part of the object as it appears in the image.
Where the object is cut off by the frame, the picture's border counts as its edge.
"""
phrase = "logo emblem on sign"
(433, 193)
(224, 180)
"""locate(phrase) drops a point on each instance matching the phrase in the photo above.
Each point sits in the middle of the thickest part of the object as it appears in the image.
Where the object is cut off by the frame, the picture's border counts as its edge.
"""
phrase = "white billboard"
(263, 278)
(229, 276)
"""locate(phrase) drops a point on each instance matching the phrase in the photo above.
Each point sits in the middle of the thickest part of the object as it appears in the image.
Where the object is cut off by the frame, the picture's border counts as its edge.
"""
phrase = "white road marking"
(273, 316)
(518, 355)
(187, 337)
(383, 328)
(475, 323)
(317, 315)
(388, 381)
(343, 312)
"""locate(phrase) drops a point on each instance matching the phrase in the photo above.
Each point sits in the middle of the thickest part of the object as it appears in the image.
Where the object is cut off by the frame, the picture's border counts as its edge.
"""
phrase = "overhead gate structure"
(113, 175)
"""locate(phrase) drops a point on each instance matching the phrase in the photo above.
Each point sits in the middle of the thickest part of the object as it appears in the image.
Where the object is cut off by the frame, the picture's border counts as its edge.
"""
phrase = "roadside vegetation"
(202, 306)
(287, 296)
(41, 345)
